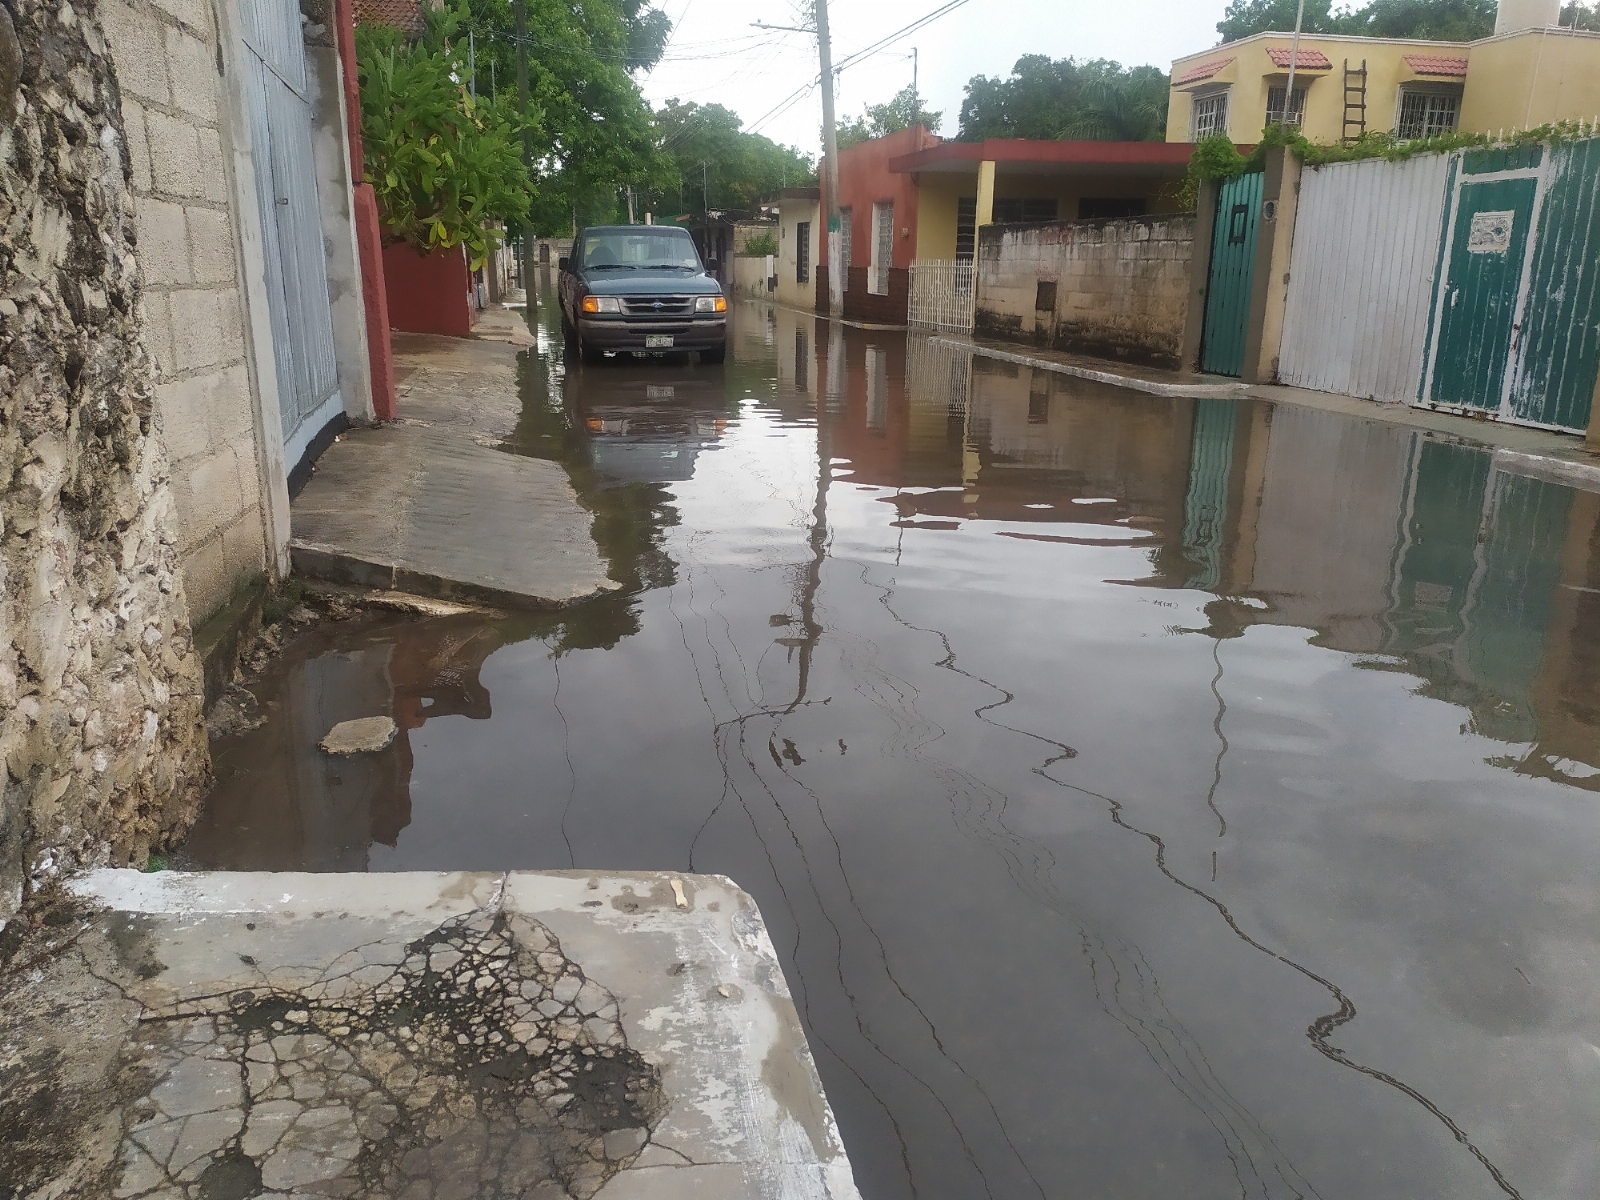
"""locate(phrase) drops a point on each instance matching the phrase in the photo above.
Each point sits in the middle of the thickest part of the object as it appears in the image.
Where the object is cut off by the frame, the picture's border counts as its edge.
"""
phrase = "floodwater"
(1148, 798)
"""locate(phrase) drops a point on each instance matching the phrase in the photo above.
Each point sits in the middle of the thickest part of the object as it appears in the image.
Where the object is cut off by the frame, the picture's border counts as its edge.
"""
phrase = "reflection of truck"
(652, 432)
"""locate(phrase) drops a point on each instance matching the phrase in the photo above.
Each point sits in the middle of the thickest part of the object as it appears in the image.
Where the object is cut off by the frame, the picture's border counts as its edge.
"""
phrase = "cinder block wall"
(167, 63)
(1120, 288)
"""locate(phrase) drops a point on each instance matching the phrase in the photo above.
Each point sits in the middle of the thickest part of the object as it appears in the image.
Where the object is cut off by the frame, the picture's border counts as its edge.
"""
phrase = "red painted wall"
(369, 245)
(864, 180)
(427, 293)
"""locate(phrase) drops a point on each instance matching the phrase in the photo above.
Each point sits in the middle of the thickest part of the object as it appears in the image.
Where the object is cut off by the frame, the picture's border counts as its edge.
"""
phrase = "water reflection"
(1147, 796)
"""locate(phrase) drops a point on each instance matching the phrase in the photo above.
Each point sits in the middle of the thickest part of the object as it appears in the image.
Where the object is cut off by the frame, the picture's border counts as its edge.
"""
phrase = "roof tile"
(402, 14)
(1309, 60)
(1203, 71)
(1437, 64)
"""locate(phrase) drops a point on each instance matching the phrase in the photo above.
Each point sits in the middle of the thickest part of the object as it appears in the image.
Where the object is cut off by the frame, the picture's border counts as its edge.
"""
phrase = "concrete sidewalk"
(430, 504)
(1558, 457)
(440, 1036)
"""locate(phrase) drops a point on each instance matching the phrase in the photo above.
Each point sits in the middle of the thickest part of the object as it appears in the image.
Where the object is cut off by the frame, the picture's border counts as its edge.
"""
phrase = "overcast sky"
(716, 57)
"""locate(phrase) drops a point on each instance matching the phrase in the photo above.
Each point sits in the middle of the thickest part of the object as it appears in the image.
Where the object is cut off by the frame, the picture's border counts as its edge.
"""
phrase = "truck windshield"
(639, 248)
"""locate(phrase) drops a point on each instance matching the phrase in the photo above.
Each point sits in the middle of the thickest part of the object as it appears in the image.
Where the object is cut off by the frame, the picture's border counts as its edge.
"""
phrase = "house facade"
(1529, 72)
(799, 244)
(872, 252)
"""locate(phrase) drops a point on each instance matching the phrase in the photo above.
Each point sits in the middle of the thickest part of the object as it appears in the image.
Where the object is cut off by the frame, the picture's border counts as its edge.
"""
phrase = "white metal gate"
(1366, 248)
(942, 295)
(286, 186)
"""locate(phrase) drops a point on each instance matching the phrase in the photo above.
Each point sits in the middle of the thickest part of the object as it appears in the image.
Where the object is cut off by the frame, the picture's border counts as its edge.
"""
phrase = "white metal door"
(286, 185)
(1366, 247)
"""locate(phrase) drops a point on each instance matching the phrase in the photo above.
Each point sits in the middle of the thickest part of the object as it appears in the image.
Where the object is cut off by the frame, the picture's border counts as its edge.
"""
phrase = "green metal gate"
(1478, 304)
(1558, 347)
(1233, 264)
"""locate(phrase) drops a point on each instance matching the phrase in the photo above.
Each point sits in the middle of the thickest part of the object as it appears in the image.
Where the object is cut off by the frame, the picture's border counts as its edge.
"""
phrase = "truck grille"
(647, 306)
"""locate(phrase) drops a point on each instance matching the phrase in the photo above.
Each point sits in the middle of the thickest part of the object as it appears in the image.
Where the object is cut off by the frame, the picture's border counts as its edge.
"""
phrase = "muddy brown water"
(1147, 797)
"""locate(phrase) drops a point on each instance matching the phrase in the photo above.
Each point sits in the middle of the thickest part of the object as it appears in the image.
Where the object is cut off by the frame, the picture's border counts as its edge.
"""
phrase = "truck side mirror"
(713, 266)
(563, 263)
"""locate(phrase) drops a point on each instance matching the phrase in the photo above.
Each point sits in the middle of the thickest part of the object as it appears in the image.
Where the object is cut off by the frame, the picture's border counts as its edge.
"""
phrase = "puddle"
(1146, 796)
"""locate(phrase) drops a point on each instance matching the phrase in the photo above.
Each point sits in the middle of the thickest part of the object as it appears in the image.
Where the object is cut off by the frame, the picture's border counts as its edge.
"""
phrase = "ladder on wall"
(1355, 102)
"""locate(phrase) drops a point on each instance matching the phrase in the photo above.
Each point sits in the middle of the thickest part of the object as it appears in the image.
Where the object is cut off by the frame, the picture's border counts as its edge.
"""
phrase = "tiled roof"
(1437, 64)
(402, 14)
(1309, 60)
(1203, 71)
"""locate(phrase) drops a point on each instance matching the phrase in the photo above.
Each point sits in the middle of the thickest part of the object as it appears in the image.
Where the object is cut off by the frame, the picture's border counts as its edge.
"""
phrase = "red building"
(878, 229)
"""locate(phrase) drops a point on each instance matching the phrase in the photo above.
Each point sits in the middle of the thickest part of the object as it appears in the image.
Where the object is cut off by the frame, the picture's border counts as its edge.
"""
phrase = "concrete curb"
(329, 564)
(1583, 476)
(388, 978)
(1199, 391)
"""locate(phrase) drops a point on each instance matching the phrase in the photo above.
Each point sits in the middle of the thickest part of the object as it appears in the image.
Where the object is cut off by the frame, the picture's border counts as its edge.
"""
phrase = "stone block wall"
(1118, 289)
(104, 752)
(167, 61)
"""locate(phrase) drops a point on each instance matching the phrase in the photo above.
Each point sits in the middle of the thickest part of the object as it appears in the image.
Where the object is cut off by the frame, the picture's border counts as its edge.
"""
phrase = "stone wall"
(1118, 289)
(168, 62)
(100, 726)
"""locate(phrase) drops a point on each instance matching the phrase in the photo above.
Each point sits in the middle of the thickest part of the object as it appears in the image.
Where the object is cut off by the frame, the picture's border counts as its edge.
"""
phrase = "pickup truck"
(640, 289)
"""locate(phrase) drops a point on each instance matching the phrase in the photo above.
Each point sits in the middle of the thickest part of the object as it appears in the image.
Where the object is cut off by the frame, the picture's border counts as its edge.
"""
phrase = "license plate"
(657, 341)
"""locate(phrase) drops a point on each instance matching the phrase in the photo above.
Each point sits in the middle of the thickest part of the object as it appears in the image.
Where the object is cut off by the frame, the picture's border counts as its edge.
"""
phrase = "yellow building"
(1528, 73)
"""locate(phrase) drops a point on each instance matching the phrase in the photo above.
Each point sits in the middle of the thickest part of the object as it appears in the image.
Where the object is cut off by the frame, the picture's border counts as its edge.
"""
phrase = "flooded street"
(1148, 798)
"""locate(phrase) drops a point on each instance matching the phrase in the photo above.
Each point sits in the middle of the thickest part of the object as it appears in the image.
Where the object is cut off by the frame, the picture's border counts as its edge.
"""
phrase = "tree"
(444, 165)
(738, 167)
(1435, 20)
(595, 133)
(1046, 98)
(905, 111)
(1581, 16)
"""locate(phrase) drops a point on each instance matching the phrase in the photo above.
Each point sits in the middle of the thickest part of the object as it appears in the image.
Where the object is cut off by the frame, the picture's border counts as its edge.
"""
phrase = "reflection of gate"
(1233, 261)
(286, 186)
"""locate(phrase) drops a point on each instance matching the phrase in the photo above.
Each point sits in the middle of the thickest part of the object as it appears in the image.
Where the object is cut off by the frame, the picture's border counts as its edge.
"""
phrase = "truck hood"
(650, 283)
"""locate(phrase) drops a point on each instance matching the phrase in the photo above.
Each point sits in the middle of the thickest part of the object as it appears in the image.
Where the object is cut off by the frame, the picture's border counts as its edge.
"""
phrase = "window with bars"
(802, 252)
(1428, 113)
(1275, 106)
(966, 228)
(1209, 115)
(846, 234)
(882, 248)
(1011, 211)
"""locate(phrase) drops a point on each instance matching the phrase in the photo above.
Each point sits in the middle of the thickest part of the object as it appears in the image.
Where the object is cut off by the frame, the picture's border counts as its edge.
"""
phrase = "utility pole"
(520, 11)
(472, 64)
(914, 93)
(1294, 61)
(630, 204)
(830, 150)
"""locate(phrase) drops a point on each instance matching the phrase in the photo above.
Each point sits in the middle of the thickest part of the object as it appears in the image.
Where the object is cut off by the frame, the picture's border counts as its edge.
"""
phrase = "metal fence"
(942, 295)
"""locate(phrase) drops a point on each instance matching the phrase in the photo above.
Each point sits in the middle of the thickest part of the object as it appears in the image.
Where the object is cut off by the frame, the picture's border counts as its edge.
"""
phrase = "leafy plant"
(902, 112)
(1071, 98)
(759, 246)
(1217, 158)
(1433, 20)
(445, 165)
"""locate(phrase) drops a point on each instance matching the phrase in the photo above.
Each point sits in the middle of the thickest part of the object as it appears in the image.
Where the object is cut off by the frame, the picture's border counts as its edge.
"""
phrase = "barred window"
(1210, 115)
(1275, 113)
(802, 252)
(1428, 113)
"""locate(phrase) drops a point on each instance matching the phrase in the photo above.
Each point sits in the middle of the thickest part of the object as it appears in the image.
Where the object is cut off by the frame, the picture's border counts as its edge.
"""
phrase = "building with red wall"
(878, 228)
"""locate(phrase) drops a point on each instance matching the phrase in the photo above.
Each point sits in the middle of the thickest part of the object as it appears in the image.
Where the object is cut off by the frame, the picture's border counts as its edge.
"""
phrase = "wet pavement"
(1146, 796)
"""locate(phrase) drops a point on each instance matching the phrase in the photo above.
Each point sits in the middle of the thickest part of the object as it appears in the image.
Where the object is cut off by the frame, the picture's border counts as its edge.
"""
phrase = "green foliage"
(739, 168)
(1434, 20)
(592, 131)
(1216, 157)
(1093, 99)
(903, 112)
(760, 246)
(445, 166)
(1581, 16)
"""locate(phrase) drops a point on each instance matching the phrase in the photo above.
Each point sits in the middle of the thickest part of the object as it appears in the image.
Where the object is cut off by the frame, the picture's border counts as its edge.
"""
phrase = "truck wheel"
(714, 356)
(568, 334)
(591, 355)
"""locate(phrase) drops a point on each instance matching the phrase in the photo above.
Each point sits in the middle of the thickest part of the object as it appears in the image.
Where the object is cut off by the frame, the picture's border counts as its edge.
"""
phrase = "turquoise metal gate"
(1233, 263)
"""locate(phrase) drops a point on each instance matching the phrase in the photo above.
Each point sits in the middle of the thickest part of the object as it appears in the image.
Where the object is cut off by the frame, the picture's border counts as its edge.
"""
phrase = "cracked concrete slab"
(428, 1036)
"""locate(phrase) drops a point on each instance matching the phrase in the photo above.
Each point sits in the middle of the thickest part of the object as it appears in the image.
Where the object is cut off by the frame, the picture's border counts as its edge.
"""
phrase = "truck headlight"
(602, 304)
(711, 304)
